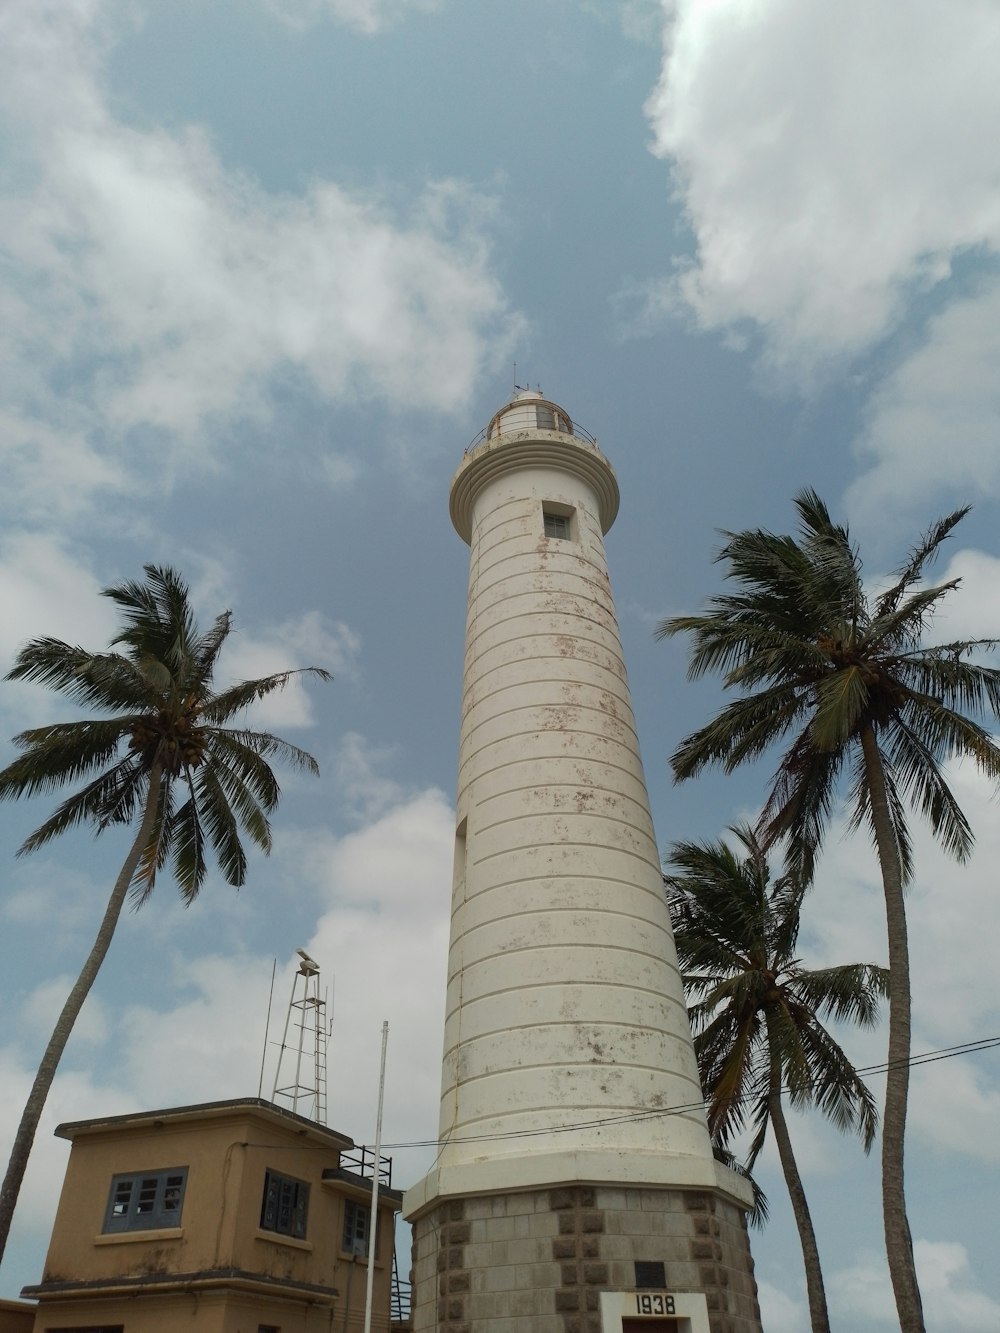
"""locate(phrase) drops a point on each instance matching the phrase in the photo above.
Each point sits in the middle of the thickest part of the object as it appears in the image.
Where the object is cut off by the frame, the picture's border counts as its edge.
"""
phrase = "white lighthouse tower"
(576, 1186)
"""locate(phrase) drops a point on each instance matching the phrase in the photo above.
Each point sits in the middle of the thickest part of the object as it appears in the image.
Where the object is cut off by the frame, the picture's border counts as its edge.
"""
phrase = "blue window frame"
(358, 1229)
(146, 1200)
(285, 1205)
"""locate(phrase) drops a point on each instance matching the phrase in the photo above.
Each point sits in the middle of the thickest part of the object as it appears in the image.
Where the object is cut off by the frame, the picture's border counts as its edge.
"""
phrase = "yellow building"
(229, 1217)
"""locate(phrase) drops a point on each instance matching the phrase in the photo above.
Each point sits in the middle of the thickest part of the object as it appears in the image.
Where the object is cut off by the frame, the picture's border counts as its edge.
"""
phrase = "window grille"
(146, 1201)
(357, 1228)
(650, 1275)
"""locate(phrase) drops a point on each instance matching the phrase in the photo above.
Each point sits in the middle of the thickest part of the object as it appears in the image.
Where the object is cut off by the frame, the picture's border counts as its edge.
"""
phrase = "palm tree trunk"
(819, 1318)
(898, 1241)
(35, 1104)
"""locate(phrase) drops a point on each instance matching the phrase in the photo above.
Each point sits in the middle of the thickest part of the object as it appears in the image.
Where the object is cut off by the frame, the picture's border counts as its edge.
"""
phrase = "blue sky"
(267, 268)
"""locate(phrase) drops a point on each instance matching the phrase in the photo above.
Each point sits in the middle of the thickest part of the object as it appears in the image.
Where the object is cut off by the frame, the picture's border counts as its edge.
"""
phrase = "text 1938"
(654, 1302)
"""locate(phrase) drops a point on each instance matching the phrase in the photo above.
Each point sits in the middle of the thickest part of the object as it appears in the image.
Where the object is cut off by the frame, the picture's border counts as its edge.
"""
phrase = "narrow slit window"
(649, 1274)
(357, 1229)
(461, 858)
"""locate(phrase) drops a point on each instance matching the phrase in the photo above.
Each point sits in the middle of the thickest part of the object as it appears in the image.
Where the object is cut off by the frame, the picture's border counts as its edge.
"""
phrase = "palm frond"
(837, 1089)
(902, 627)
(187, 844)
(159, 688)
(111, 798)
(217, 798)
(59, 753)
(234, 700)
(831, 589)
(798, 805)
(742, 731)
(209, 645)
(157, 614)
(841, 698)
(755, 1011)
(912, 756)
(922, 554)
(859, 805)
(259, 746)
(759, 1213)
(93, 680)
(154, 855)
(942, 674)
(243, 768)
(850, 993)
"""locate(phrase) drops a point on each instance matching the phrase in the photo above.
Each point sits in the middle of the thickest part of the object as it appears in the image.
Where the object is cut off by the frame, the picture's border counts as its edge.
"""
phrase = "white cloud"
(208, 1045)
(389, 885)
(164, 291)
(366, 792)
(952, 1303)
(828, 158)
(949, 1297)
(931, 425)
(779, 1312)
(43, 1006)
(863, 1292)
(310, 639)
(74, 1096)
(953, 914)
(972, 610)
(52, 469)
(45, 589)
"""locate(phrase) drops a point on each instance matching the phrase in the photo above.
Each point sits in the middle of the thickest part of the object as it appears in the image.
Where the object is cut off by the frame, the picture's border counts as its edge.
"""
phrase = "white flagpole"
(373, 1224)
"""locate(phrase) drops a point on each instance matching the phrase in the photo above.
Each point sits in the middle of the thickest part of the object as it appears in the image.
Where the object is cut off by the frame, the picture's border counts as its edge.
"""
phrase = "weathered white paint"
(567, 1051)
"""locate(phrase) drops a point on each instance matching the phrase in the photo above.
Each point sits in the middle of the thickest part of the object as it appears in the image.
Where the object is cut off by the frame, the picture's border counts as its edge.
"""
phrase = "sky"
(266, 268)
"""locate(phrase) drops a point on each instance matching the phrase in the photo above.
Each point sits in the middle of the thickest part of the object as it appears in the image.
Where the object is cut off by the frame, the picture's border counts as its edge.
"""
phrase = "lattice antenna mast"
(307, 1050)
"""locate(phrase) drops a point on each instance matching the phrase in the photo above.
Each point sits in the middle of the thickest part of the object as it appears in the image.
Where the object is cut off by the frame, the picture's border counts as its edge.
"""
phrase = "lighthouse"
(575, 1188)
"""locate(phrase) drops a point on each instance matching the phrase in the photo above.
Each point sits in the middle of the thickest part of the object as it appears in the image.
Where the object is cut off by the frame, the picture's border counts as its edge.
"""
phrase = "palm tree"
(756, 1014)
(161, 755)
(849, 679)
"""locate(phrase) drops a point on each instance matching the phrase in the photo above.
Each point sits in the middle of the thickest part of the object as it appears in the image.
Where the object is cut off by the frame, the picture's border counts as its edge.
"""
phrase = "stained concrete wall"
(539, 1260)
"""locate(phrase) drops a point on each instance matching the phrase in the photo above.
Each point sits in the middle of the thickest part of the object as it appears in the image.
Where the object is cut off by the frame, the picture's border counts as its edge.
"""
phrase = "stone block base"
(536, 1261)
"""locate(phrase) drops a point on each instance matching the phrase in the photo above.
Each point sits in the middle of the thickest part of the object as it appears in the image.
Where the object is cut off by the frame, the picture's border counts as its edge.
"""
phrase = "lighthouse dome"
(528, 410)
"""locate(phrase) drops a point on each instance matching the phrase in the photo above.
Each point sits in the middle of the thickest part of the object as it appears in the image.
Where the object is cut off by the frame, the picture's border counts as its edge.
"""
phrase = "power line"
(632, 1117)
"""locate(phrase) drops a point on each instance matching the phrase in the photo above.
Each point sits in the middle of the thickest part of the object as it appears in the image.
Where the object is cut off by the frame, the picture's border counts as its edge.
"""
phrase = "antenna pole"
(373, 1236)
(267, 1025)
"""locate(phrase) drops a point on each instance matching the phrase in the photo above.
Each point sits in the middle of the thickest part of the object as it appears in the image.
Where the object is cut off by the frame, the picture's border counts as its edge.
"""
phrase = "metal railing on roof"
(362, 1161)
(578, 432)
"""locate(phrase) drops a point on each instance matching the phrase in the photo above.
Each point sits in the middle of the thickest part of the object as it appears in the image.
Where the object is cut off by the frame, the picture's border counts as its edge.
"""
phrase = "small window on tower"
(556, 525)
(650, 1274)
